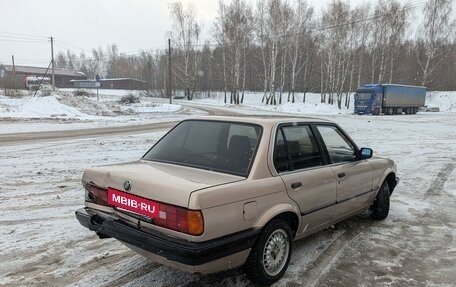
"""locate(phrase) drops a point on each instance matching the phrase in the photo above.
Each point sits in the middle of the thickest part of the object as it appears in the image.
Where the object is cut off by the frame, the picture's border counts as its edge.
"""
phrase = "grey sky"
(81, 25)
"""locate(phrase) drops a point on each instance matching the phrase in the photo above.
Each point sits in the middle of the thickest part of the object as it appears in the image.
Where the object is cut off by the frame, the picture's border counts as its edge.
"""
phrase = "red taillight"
(180, 219)
(96, 194)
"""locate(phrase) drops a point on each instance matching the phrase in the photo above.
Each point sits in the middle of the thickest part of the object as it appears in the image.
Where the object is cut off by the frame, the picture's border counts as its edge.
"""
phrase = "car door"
(354, 177)
(312, 185)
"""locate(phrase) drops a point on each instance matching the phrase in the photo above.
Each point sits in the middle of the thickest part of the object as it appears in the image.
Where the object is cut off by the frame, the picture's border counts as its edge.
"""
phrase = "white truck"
(33, 83)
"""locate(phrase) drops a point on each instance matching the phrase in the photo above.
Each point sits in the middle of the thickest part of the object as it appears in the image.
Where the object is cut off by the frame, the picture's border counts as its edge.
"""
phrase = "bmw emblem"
(127, 185)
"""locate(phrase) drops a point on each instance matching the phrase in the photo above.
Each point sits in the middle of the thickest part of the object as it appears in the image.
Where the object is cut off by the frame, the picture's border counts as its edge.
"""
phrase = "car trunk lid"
(157, 181)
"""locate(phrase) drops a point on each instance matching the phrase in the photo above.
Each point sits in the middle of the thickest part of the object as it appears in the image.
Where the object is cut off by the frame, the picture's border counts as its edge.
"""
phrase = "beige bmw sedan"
(217, 193)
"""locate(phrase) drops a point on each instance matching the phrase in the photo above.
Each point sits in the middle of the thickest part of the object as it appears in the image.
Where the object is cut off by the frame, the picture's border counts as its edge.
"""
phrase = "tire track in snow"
(313, 274)
(33, 220)
(41, 206)
(439, 181)
(134, 274)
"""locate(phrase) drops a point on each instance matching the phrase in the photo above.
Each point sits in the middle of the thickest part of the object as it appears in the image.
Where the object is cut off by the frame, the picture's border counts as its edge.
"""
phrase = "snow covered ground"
(42, 244)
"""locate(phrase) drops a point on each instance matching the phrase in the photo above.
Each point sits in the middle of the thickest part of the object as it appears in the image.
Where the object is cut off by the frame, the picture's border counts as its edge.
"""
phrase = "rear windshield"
(226, 147)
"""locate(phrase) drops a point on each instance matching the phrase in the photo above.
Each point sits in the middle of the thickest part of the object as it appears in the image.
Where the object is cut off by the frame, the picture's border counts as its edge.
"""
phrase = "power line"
(69, 46)
(21, 40)
(23, 35)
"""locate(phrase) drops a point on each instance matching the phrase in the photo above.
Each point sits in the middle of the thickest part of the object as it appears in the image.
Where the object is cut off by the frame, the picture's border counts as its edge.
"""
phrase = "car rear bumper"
(173, 249)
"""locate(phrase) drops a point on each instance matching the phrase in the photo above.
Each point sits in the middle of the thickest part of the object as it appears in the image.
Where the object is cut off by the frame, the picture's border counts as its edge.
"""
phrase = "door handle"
(342, 174)
(296, 185)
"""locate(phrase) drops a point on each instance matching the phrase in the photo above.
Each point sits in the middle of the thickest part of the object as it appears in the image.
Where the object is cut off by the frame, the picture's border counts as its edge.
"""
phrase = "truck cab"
(368, 99)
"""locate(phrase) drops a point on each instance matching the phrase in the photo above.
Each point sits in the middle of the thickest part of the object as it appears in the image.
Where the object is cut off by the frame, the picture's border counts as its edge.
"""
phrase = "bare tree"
(185, 37)
(233, 28)
(389, 26)
(262, 43)
(362, 32)
(434, 36)
(278, 27)
(334, 44)
(299, 45)
(358, 37)
(61, 60)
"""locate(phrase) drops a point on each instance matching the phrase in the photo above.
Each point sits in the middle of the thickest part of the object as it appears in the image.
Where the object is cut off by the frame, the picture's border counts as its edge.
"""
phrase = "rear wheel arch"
(286, 212)
(291, 218)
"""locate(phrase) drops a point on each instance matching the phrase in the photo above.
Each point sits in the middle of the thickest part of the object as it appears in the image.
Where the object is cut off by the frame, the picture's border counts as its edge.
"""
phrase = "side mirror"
(365, 153)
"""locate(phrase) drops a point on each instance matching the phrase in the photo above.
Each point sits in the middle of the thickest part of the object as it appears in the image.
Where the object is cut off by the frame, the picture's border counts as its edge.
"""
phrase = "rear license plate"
(133, 203)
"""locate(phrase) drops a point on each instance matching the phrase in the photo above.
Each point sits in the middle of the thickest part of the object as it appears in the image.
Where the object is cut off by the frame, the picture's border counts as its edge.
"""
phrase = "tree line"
(279, 48)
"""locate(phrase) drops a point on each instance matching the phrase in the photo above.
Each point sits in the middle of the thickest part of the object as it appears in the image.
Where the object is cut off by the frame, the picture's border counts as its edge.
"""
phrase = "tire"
(380, 208)
(276, 236)
(376, 111)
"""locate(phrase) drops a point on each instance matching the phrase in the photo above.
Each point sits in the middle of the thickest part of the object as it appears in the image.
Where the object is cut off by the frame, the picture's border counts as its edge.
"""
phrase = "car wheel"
(271, 254)
(380, 208)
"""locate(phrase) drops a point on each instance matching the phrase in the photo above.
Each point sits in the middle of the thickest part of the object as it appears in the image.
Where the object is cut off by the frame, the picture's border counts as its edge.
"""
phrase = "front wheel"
(271, 254)
(380, 208)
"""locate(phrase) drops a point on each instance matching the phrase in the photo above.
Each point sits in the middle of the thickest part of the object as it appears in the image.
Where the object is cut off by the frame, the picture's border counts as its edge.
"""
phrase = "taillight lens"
(180, 219)
(96, 194)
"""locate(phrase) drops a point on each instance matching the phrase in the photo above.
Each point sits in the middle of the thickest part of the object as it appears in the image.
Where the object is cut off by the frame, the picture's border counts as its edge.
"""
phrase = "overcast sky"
(83, 24)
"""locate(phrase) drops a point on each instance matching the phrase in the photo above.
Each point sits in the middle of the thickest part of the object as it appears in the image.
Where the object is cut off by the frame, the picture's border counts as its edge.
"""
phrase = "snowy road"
(42, 244)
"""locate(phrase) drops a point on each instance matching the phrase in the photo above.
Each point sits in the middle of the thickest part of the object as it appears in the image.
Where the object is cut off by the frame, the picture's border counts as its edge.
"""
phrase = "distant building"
(10, 77)
(115, 83)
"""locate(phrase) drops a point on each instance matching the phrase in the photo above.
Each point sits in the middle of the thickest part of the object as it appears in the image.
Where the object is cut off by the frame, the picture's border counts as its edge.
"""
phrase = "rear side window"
(296, 148)
(219, 146)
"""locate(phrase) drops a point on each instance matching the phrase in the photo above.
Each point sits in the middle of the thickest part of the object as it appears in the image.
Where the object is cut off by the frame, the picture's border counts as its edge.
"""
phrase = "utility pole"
(14, 73)
(169, 73)
(53, 64)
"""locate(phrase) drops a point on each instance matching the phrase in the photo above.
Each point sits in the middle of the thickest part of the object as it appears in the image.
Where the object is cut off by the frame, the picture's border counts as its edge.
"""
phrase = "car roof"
(262, 119)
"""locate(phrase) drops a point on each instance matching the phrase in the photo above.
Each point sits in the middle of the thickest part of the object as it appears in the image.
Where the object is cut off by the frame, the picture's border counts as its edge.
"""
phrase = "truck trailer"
(389, 99)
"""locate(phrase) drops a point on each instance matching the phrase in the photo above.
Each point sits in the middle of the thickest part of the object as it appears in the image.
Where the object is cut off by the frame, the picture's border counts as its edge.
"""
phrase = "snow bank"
(93, 107)
(446, 101)
(78, 107)
(37, 107)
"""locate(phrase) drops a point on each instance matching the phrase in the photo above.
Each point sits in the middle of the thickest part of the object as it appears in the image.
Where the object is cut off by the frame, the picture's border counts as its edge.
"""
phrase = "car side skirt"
(315, 229)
